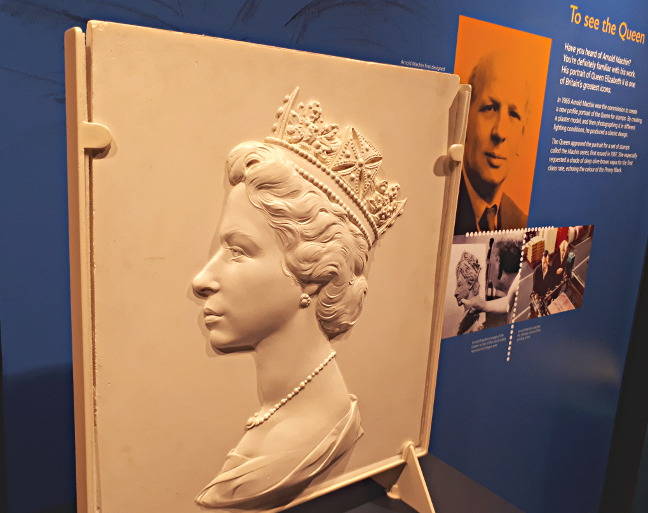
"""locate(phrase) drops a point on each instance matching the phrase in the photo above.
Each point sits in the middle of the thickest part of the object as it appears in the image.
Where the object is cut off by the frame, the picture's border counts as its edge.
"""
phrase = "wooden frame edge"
(457, 124)
(80, 266)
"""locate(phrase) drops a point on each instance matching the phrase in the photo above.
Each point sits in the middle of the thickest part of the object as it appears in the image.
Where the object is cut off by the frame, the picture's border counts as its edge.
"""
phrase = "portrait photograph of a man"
(507, 70)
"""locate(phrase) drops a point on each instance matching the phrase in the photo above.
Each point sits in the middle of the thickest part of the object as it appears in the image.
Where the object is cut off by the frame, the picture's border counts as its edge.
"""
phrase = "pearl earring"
(304, 300)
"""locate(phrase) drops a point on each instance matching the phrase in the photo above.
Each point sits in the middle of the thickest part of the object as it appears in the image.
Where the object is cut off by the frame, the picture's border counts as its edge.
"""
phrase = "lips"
(211, 317)
(494, 160)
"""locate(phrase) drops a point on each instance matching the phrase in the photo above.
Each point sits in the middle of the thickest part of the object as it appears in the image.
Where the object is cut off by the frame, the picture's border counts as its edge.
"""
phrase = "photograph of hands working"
(483, 281)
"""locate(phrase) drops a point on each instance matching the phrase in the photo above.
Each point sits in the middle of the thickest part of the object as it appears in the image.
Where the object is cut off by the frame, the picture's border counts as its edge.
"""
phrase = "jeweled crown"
(350, 165)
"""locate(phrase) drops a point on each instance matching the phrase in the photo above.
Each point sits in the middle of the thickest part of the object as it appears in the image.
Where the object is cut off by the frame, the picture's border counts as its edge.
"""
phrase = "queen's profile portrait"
(288, 277)
(467, 276)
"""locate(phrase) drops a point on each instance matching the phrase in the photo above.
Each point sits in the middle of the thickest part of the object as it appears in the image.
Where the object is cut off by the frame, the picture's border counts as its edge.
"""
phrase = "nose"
(499, 132)
(204, 283)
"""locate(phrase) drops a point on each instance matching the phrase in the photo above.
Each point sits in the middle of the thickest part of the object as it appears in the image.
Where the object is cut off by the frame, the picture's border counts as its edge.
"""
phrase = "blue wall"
(34, 291)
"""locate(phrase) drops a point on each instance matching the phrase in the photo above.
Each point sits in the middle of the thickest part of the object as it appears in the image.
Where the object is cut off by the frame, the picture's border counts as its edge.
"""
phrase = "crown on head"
(350, 165)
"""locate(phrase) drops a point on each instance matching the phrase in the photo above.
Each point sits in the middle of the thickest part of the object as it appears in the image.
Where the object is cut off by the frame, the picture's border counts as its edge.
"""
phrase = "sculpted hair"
(323, 247)
(468, 266)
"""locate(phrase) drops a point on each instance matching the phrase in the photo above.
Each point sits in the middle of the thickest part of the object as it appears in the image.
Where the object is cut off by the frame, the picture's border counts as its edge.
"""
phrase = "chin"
(494, 176)
(222, 343)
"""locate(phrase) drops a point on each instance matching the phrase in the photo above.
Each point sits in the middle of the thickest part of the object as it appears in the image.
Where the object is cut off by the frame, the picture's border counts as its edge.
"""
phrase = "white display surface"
(166, 408)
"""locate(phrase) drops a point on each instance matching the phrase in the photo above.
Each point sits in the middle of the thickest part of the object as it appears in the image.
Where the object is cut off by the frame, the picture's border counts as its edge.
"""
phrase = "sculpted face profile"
(287, 278)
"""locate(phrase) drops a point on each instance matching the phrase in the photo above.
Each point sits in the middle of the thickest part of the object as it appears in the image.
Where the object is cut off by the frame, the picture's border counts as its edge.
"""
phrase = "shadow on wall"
(454, 492)
(641, 499)
(41, 450)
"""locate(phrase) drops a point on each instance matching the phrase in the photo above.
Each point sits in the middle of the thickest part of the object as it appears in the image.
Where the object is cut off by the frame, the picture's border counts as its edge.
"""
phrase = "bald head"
(505, 66)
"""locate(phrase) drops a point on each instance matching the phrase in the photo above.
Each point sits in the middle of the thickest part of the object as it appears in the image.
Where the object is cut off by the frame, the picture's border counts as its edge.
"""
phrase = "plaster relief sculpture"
(247, 390)
(287, 278)
(467, 273)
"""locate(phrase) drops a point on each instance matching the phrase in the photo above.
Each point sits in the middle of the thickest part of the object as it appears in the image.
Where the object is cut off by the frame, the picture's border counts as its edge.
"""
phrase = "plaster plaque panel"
(264, 232)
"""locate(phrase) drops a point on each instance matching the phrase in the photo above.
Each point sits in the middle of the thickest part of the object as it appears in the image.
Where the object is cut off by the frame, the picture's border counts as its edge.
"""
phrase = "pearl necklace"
(257, 419)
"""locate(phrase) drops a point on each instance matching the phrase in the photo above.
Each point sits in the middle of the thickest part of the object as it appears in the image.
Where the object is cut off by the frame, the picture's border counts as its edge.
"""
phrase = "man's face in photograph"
(495, 124)
(545, 263)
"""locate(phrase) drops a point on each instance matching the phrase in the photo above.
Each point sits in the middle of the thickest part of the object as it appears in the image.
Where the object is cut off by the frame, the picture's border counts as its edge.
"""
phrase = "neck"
(287, 356)
(508, 278)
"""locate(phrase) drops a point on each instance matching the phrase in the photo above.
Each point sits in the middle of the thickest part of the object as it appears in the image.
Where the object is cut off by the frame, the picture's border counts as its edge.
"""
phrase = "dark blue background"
(535, 432)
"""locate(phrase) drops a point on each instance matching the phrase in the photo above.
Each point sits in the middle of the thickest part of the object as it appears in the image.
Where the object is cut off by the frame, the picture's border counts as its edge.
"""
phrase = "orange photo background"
(476, 38)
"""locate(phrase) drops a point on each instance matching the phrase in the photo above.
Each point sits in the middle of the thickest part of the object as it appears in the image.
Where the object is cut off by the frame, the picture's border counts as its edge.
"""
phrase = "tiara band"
(336, 189)
(346, 168)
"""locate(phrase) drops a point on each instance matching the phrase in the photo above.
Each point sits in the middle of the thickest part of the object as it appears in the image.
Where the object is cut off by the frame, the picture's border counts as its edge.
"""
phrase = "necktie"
(488, 220)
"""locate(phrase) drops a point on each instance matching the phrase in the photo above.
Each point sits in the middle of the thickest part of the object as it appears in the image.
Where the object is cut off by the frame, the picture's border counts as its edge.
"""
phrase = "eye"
(235, 252)
(487, 108)
(514, 114)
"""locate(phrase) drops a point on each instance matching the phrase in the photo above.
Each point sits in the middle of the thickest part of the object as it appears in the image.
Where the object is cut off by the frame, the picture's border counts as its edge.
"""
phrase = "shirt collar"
(478, 204)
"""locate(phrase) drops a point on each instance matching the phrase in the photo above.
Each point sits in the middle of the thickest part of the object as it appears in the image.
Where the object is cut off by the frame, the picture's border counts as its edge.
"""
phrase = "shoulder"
(511, 215)
(285, 433)
(296, 431)
(293, 429)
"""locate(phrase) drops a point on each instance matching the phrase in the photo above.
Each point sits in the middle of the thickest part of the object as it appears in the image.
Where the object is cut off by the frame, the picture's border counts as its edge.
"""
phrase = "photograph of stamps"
(502, 277)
